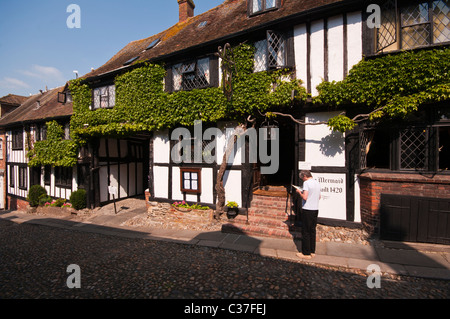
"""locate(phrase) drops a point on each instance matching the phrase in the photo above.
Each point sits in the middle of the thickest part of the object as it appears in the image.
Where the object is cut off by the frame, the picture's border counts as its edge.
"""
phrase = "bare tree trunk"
(220, 189)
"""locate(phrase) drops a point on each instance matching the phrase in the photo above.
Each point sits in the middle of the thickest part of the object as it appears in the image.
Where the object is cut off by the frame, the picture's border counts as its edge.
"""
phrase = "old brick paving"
(34, 259)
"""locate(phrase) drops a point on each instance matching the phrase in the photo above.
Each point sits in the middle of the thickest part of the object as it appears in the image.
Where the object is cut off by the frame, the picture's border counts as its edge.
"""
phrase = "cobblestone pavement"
(34, 261)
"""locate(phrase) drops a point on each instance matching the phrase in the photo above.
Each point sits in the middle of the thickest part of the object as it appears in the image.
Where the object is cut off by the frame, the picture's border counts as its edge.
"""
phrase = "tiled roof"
(229, 18)
(32, 111)
(13, 99)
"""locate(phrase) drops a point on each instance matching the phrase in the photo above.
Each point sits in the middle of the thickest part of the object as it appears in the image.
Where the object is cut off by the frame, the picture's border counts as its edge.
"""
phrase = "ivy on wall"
(55, 150)
(393, 86)
(142, 104)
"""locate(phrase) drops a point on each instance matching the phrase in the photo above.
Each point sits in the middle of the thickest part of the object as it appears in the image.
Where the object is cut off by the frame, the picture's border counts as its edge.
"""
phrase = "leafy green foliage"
(34, 194)
(142, 104)
(78, 199)
(55, 150)
(398, 84)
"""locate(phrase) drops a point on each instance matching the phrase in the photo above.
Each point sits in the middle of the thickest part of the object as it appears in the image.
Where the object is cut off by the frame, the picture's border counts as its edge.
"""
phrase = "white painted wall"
(207, 186)
(317, 56)
(161, 147)
(300, 52)
(161, 178)
(323, 146)
(354, 38)
(232, 181)
(335, 44)
(336, 48)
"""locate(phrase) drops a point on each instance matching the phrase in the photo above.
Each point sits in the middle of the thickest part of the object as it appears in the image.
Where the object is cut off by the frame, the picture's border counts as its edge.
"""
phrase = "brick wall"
(186, 9)
(14, 203)
(3, 168)
(372, 185)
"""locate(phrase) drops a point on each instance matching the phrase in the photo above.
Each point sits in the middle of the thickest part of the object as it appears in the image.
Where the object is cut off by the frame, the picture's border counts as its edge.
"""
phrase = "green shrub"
(34, 194)
(78, 199)
(59, 202)
(43, 199)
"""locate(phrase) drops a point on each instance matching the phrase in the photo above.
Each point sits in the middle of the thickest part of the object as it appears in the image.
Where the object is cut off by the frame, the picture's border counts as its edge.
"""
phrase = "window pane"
(444, 148)
(260, 56)
(176, 72)
(416, 36)
(112, 95)
(203, 72)
(415, 14)
(188, 67)
(413, 149)
(276, 49)
(104, 97)
(270, 4)
(97, 93)
(257, 5)
(441, 21)
(387, 33)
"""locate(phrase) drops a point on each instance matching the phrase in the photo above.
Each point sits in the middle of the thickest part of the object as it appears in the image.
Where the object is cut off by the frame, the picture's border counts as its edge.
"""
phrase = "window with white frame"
(270, 52)
(194, 74)
(104, 97)
(259, 6)
(190, 180)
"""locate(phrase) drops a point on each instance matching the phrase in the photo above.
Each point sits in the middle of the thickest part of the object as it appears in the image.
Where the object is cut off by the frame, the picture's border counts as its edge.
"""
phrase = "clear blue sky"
(37, 49)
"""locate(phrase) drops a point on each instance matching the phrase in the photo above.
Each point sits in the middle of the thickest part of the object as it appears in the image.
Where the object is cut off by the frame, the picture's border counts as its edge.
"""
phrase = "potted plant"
(232, 209)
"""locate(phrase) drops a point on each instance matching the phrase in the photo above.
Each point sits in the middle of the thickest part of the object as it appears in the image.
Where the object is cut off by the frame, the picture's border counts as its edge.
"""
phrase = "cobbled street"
(34, 261)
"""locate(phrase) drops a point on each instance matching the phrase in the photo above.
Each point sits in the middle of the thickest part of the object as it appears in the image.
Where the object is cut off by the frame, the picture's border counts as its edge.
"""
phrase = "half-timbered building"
(317, 41)
(23, 127)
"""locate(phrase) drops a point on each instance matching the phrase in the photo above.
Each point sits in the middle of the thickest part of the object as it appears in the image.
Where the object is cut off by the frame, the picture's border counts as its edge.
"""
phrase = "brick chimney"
(186, 9)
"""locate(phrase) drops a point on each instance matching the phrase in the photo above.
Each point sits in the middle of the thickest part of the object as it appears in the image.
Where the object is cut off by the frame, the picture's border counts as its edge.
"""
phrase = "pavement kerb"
(338, 255)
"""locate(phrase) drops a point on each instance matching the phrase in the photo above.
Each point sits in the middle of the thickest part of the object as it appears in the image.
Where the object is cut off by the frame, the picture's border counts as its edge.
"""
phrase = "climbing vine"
(55, 150)
(393, 86)
(143, 105)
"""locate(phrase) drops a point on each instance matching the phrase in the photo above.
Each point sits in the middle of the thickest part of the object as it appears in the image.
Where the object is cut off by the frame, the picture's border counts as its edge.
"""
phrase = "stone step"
(259, 231)
(269, 212)
(273, 202)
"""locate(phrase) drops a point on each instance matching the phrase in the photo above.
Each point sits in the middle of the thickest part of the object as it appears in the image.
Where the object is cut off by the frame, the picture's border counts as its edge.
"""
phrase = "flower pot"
(232, 212)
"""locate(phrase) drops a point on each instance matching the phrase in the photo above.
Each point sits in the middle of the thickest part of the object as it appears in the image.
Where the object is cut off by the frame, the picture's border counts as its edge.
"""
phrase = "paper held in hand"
(297, 187)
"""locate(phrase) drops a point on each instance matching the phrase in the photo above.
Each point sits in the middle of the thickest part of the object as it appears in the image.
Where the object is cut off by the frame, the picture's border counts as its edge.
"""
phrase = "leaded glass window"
(104, 97)
(425, 23)
(191, 75)
(270, 53)
(387, 33)
(441, 21)
(418, 23)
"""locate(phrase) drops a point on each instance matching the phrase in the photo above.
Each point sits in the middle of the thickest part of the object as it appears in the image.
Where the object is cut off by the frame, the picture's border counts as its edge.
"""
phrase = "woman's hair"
(305, 174)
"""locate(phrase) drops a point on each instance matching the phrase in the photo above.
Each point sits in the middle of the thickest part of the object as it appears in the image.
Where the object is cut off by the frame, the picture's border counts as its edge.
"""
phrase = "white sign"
(112, 190)
(333, 201)
(304, 166)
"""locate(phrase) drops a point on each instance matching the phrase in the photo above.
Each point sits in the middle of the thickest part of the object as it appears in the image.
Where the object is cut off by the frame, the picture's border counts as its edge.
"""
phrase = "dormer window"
(104, 97)
(64, 97)
(260, 6)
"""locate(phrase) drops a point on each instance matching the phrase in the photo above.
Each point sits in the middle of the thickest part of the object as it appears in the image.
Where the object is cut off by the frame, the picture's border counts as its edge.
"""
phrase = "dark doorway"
(286, 156)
